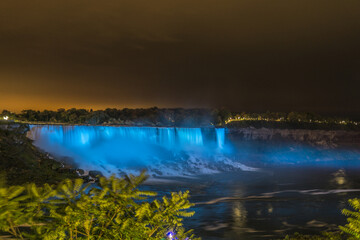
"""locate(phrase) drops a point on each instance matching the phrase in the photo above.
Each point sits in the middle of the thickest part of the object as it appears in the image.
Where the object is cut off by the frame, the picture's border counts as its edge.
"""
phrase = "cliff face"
(22, 162)
(323, 138)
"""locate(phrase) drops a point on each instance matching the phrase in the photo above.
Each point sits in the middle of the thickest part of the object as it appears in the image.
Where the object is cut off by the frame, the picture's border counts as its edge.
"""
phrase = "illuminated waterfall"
(89, 135)
(220, 137)
(129, 147)
(167, 151)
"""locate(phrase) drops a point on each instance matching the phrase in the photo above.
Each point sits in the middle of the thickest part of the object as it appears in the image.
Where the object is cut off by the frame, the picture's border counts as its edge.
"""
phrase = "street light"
(6, 117)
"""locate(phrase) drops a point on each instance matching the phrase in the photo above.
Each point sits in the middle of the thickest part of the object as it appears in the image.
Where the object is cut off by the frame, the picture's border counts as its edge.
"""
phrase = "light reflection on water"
(267, 205)
(239, 217)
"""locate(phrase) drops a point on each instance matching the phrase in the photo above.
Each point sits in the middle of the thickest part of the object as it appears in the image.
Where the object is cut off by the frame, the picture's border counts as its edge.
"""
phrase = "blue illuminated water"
(173, 151)
(170, 138)
(243, 189)
(163, 151)
(220, 137)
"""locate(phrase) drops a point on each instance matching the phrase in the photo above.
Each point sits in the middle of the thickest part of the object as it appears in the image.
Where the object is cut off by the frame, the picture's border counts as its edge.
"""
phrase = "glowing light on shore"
(170, 235)
(6, 117)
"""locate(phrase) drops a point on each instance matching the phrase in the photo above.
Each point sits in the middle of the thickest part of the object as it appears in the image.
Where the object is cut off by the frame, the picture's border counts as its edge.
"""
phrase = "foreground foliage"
(353, 226)
(114, 209)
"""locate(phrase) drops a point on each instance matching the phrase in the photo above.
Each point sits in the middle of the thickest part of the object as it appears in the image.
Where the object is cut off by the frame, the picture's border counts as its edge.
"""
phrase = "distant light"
(170, 235)
(6, 117)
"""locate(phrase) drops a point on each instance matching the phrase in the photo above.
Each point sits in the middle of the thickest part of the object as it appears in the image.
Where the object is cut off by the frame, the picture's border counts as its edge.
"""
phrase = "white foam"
(313, 191)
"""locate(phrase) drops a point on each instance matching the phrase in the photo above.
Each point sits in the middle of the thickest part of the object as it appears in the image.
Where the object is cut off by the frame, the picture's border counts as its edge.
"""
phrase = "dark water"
(268, 204)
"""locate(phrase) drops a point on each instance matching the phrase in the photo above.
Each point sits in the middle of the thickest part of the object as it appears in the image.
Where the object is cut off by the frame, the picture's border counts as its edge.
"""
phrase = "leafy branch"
(113, 209)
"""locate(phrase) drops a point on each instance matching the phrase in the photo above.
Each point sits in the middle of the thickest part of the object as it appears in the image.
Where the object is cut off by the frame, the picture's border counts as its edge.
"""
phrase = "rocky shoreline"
(320, 138)
(21, 162)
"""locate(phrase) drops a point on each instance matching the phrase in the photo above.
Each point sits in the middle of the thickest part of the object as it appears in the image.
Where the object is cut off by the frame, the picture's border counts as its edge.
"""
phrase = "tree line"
(139, 117)
(179, 117)
(291, 117)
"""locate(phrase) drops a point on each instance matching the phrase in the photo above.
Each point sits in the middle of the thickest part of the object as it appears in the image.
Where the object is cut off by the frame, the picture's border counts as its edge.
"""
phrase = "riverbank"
(22, 162)
(314, 137)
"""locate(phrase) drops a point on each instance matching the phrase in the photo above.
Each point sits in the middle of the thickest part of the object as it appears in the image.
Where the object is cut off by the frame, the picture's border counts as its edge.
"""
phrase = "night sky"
(251, 55)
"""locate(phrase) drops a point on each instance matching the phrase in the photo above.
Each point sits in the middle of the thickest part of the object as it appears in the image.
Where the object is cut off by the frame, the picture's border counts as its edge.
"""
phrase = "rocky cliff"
(330, 139)
(22, 162)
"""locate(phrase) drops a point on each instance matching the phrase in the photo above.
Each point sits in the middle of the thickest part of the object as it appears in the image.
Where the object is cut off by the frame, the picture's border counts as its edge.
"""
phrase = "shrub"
(353, 226)
(113, 209)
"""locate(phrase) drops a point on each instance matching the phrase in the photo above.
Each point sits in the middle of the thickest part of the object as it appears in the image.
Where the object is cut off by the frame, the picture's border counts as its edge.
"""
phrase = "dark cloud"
(241, 54)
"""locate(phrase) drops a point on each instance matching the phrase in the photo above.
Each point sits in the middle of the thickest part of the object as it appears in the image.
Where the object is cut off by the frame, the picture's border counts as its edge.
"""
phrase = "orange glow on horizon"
(17, 103)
